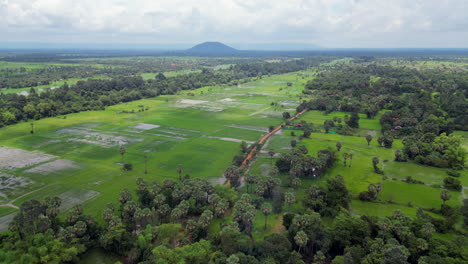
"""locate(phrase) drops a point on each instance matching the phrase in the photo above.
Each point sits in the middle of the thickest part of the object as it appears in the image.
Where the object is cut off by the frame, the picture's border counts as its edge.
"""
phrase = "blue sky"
(326, 23)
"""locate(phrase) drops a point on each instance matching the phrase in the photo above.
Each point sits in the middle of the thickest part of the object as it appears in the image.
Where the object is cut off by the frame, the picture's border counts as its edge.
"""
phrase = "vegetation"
(374, 172)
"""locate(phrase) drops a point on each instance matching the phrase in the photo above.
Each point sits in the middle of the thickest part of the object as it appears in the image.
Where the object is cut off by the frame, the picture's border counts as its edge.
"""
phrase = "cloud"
(333, 23)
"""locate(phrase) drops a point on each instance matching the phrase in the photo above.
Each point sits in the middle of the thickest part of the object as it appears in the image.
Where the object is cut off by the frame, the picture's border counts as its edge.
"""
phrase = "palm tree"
(266, 210)
(159, 200)
(271, 153)
(179, 171)
(338, 146)
(445, 195)
(301, 239)
(221, 208)
(350, 156)
(205, 219)
(125, 196)
(345, 157)
(122, 152)
(146, 164)
(290, 198)
(176, 214)
(250, 179)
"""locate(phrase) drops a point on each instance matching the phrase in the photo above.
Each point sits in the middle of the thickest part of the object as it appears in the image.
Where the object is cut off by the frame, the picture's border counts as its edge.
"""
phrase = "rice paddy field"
(396, 194)
(76, 157)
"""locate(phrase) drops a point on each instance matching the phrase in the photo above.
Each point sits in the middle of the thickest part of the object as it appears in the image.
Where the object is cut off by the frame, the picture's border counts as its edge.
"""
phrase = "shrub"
(127, 167)
(452, 184)
(366, 196)
(453, 173)
(410, 179)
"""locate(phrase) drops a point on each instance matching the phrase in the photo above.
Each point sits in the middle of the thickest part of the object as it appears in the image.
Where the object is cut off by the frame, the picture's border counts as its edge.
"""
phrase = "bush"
(452, 184)
(410, 179)
(400, 156)
(453, 173)
(366, 196)
(127, 167)
(237, 160)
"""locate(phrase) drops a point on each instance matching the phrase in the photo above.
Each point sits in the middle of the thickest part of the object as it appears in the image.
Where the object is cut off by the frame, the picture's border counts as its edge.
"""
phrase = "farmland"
(165, 144)
(201, 133)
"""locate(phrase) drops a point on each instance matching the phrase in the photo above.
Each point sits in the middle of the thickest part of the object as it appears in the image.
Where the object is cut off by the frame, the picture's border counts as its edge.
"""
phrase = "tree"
(221, 208)
(375, 163)
(293, 143)
(250, 180)
(369, 139)
(445, 195)
(125, 196)
(350, 156)
(160, 76)
(244, 213)
(146, 164)
(345, 158)
(232, 174)
(122, 152)
(427, 230)
(271, 153)
(290, 198)
(464, 212)
(452, 183)
(32, 128)
(286, 115)
(395, 254)
(307, 133)
(338, 146)
(301, 240)
(271, 128)
(353, 120)
(327, 124)
(244, 147)
(179, 170)
(205, 219)
(266, 210)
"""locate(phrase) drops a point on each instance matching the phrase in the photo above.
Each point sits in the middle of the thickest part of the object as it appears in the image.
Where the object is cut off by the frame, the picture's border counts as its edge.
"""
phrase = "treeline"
(192, 221)
(95, 94)
(22, 77)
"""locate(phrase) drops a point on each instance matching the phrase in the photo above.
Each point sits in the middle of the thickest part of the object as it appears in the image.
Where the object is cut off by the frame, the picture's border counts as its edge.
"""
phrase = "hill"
(212, 48)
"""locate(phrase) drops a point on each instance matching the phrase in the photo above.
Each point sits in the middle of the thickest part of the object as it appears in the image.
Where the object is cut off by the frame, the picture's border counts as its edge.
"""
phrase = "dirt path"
(279, 227)
(10, 203)
(265, 137)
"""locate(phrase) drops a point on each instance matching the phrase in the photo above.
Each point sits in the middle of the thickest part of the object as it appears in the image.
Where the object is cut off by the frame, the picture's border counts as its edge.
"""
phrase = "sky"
(240, 23)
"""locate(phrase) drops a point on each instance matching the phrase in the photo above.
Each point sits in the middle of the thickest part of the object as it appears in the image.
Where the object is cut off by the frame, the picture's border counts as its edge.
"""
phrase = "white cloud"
(334, 23)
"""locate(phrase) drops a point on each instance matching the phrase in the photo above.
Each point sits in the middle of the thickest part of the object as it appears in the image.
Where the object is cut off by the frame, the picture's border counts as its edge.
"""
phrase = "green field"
(395, 195)
(201, 133)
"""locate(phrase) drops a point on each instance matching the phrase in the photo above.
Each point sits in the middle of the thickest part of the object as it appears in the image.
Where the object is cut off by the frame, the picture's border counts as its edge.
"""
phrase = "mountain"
(212, 48)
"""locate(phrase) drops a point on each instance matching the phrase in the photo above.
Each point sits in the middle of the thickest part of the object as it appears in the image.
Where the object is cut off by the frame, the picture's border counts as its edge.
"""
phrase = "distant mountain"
(212, 48)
